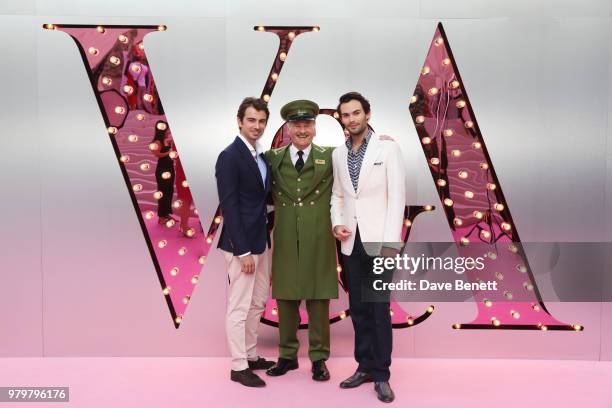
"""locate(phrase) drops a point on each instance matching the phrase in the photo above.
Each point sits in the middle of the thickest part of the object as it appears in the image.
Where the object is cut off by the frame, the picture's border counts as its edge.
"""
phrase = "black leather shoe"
(356, 380)
(281, 368)
(384, 391)
(320, 371)
(260, 364)
(247, 378)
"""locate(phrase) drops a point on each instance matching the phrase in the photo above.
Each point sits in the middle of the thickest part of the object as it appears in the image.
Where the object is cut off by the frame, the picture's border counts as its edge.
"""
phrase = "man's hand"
(342, 232)
(247, 264)
(386, 137)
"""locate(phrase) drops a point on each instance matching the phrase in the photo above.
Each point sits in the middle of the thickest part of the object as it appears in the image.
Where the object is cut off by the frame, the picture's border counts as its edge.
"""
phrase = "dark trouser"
(318, 328)
(166, 186)
(371, 320)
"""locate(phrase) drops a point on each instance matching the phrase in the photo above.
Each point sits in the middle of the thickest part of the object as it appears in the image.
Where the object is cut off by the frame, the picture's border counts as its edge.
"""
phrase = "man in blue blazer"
(243, 184)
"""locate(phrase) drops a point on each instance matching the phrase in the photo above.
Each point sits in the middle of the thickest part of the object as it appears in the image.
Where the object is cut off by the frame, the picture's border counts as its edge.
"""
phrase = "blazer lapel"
(344, 172)
(250, 160)
(371, 154)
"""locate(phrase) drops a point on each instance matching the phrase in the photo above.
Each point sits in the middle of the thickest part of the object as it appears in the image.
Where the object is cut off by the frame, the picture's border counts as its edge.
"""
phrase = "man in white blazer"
(367, 205)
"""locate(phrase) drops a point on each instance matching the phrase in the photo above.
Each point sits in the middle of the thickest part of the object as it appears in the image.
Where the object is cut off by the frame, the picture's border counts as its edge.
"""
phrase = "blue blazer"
(242, 197)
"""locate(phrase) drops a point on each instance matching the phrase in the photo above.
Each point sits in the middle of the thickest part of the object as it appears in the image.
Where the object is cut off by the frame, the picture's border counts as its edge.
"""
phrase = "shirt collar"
(293, 150)
(349, 140)
(257, 148)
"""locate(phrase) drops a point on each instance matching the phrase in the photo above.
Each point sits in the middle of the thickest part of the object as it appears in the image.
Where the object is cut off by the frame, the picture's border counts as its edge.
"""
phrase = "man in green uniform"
(304, 256)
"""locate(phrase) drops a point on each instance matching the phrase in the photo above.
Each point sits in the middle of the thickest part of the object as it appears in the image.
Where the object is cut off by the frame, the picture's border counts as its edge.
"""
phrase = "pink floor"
(204, 382)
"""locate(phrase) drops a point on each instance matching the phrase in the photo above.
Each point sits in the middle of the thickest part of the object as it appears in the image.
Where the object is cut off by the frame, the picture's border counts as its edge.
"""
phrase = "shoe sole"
(249, 385)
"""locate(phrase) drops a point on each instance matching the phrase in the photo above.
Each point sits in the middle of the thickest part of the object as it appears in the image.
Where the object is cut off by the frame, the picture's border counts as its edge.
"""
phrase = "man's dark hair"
(354, 96)
(256, 103)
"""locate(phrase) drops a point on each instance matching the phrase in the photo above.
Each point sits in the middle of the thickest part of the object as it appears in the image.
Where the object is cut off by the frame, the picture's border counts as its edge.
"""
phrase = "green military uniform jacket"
(304, 255)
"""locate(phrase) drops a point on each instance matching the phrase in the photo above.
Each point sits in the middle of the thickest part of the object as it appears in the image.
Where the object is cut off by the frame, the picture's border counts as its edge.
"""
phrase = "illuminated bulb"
(177, 204)
(435, 161)
(495, 322)
(170, 223)
(485, 234)
(195, 210)
(513, 249)
(190, 232)
(342, 315)
(410, 321)
(577, 327)
(282, 56)
(499, 276)
(456, 153)
(544, 328)
(516, 315)
(316, 29)
(391, 313)
(128, 89)
(535, 307)
(147, 97)
(338, 268)
(154, 146)
(141, 45)
(498, 207)
(157, 195)
(182, 251)
(120, 110)
(149, 215)
(194, 279)
(291, 35)
(161, 28)
(100, 29)
(448, 202)
(441, 182)
(408, 223)
(135, 68)
(174, 271)
(137, 187)
(425, 70)
(446, 61)
(426, 140)
(508, 295)
(469, 124)
(274, 311)
(428, 208)
(521, 268)
(492, 255)
(528, 286)
(140, 116)
(178, 319)
(162, 243)
(458, 222)
(460, 104)
(488, 303)
(477, 214)
(266, 98)
(476, 145)
(491, 186)
(456, 326)
(439, 41)
(484, 166)
(133, 139)
(166, 175)
(107, 81)
(161, 126)
(430, 309)
(469, 194)
(413, 99)
(447, 132)
(218, 219)
(261, 28)
(92, 51)
(336, 115)
(124, 159)
(274, 76)
(112, 130)
(114, 60)
(186, 299)
(420, 119)
(209, 240)
(463, 174)
(505, 226)
(464, 241)
(166, 290)
(173, 154)
(433, 91)
(50, 26)
(202, 259)
(123, 39)
(184, 183)
(454, 84)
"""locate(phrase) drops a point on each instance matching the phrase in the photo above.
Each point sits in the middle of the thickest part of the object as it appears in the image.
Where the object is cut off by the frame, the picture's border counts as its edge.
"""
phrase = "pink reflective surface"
(471, 196)
(124, 86)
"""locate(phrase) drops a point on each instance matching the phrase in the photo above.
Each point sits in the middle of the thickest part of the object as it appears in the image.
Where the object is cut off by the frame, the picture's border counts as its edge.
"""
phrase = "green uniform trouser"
(318, 328)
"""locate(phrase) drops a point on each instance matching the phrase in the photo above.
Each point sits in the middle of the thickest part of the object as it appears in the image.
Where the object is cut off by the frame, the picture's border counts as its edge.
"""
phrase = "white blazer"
(378, 205)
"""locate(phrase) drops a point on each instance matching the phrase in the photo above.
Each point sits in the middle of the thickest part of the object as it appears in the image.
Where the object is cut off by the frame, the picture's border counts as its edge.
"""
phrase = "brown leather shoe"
(247, 378)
